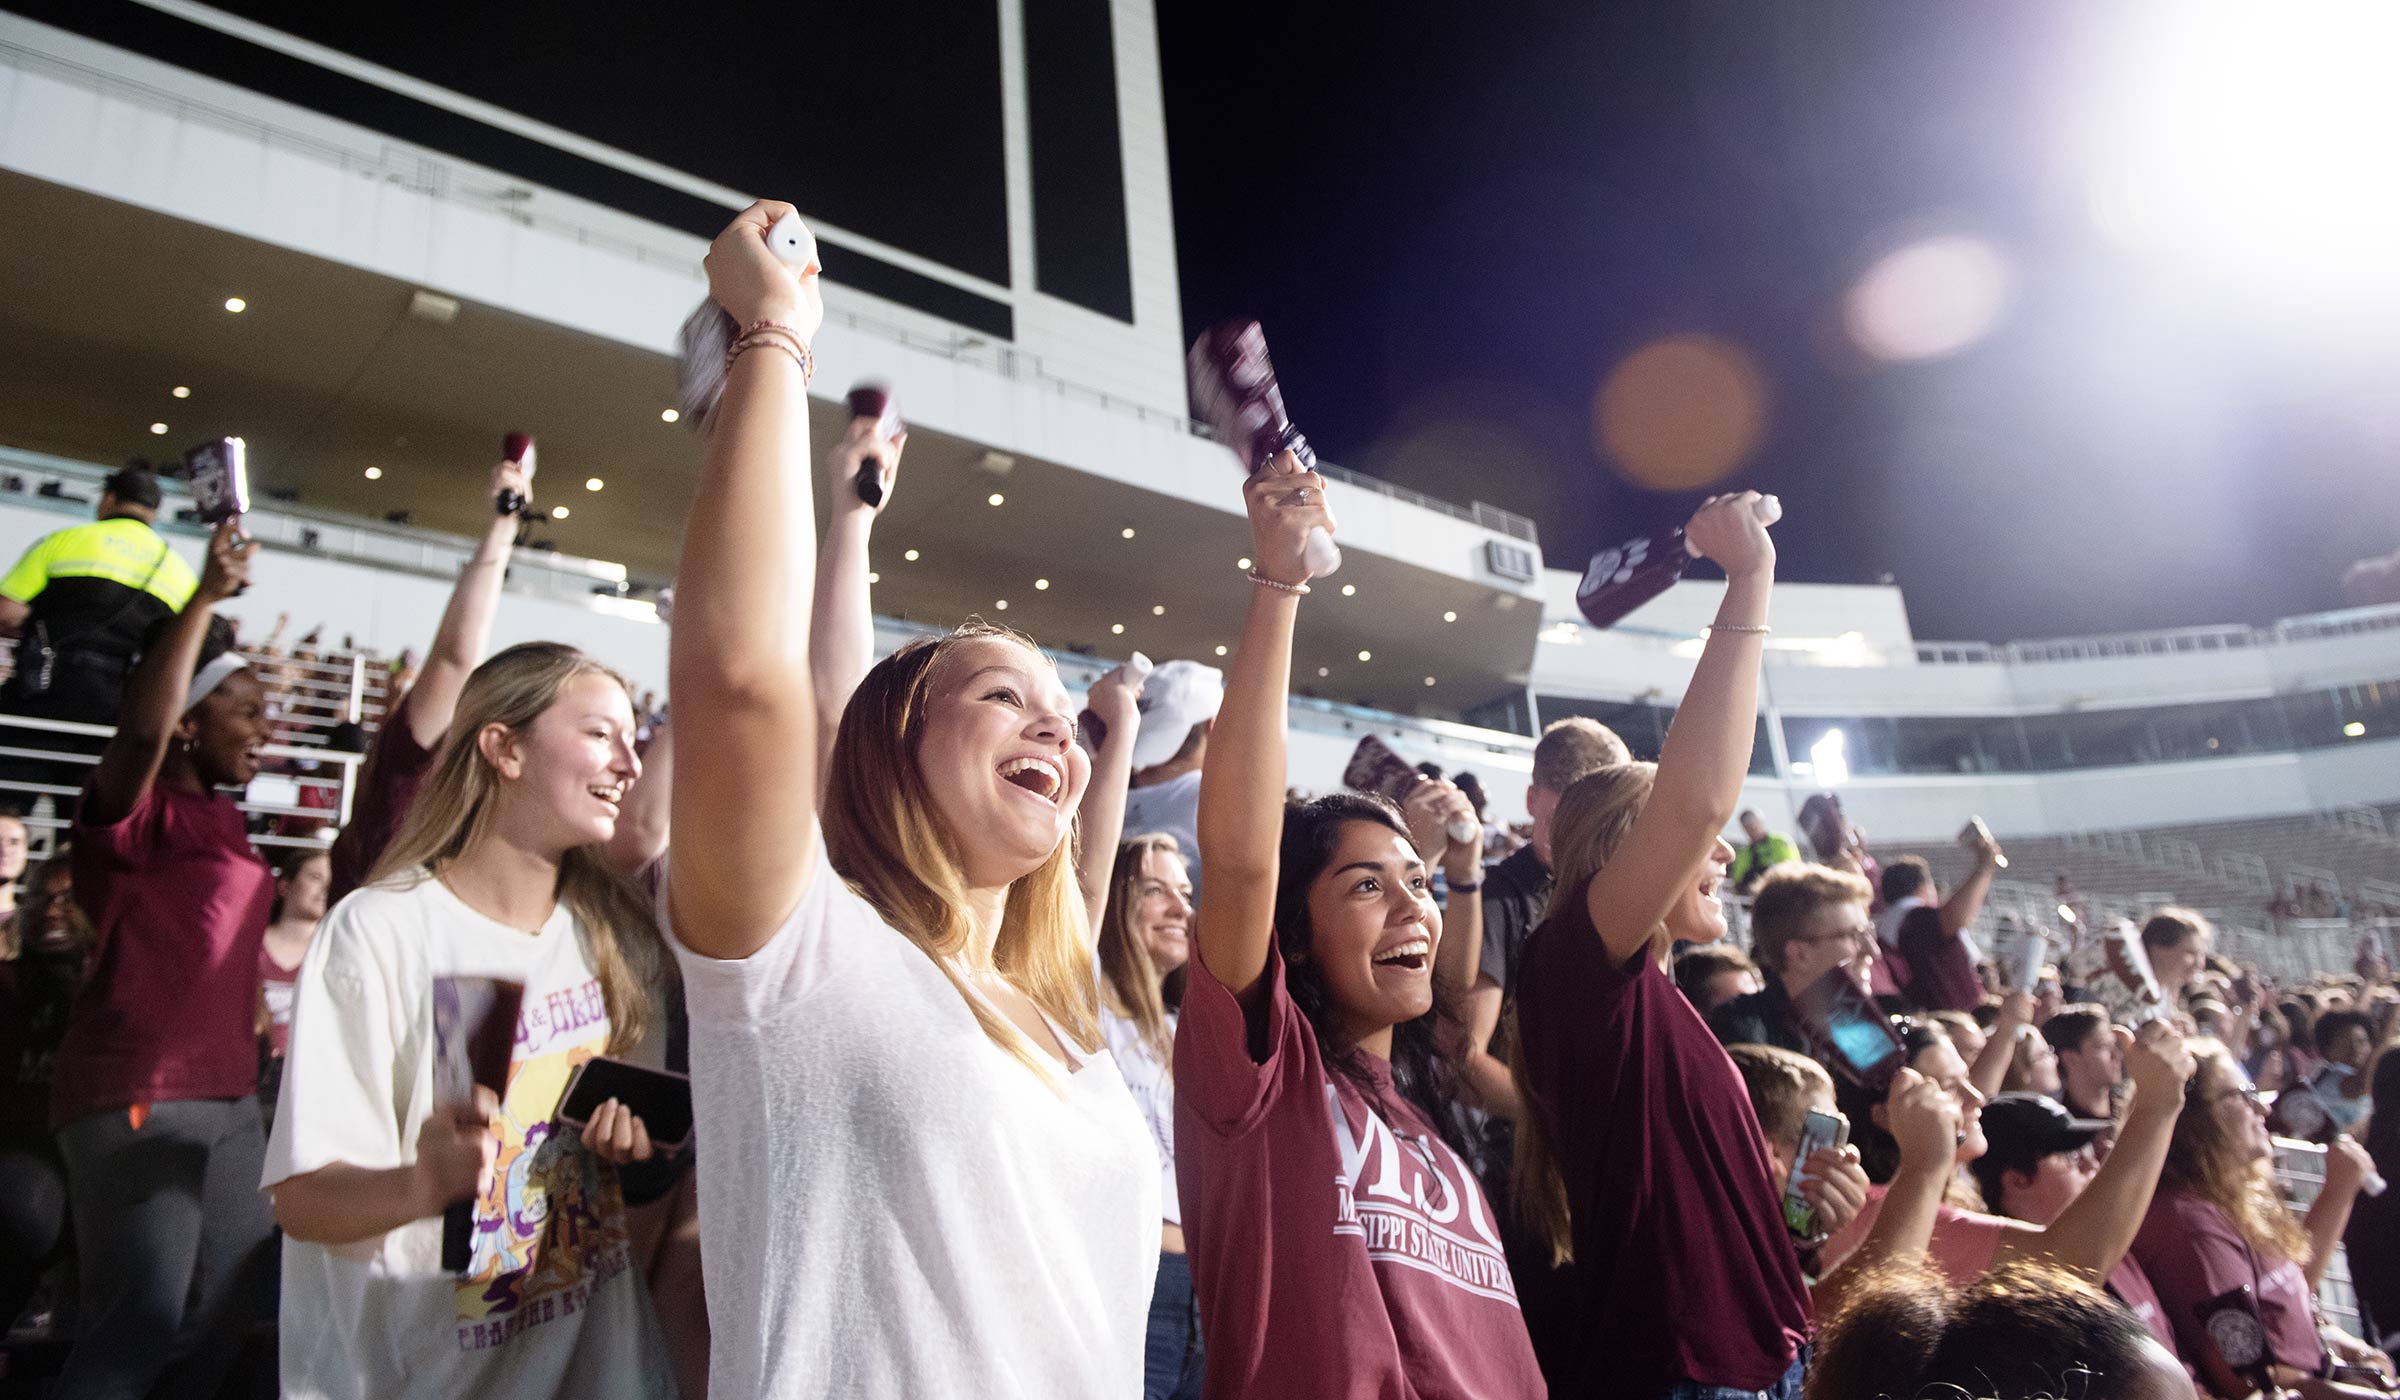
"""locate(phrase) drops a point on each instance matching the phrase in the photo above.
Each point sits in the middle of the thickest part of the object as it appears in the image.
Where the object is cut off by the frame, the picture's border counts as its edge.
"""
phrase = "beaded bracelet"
(1759, 630)
(780, 336)
(1295, 589)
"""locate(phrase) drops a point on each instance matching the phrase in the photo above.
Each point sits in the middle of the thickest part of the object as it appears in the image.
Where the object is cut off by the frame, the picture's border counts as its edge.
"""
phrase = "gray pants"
(175, 1242)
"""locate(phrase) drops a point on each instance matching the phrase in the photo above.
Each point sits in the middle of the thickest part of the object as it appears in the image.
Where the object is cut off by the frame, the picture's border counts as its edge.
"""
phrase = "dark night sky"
(1453, 221)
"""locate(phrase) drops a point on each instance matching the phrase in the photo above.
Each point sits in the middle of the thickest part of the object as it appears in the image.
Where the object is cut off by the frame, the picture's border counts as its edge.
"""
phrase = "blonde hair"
(1594, 815)
(885, 838)
(1131, 983)
(2203, 1161)
(454, 809)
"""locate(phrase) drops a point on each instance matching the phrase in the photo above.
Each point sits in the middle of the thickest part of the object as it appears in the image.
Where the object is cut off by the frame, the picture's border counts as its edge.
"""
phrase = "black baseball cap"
(2022, 1129)
(133, 485)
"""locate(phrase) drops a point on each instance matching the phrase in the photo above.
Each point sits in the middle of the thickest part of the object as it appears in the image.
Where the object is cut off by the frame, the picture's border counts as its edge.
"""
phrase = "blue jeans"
(1786, 1389)
(1171, 1360)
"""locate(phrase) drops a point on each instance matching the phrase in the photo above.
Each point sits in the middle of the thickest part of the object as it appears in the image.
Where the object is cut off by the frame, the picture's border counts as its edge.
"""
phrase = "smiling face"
(2036, 1066)
(53, 926)
(304, 893)
(1698, 916)
(12, 848)
(2237, 1115)
(2175, 964)
(1833, 935)
(998, 758)
(1373, 928)
(563, 778)
(1161, 917)
(1940, 1063)
(227, 729)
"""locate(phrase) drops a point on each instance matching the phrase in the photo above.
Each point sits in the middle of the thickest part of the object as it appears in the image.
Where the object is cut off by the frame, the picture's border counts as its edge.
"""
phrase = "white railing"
(2300, 1173)
(2249, 872)
(2177, 641)
(261, 799)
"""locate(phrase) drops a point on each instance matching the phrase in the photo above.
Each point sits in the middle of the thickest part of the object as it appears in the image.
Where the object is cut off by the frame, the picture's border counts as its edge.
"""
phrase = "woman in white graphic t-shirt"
(501, 874)
(923, 1175)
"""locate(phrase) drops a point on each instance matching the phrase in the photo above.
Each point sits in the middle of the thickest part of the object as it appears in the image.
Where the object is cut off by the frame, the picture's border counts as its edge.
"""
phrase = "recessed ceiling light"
(1126, 533)
(1349, 590)
(995, 499)
(1322, 672)
(1041, 585)
(1449, 617)
(374, 473)
(1116, 629)
(1158, 610)
(1366, 656)
(558, 512)
(1429, 680)
(874, 577)
(910, 556)
(183, 391)
(1242, 564)
(1002, 605)
(236, 305)
(593, 483)
(1220, 649)
(668, 415)
(159, 428)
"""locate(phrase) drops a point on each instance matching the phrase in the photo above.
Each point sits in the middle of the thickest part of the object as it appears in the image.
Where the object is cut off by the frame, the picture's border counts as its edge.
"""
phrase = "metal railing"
(2176, 641)
(2300, 1175)
(259, 800)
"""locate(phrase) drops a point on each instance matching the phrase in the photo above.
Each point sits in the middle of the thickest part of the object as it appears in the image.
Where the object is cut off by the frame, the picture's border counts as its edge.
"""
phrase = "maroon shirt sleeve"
(1941, 977)
(1684, 1268)
(395, 768)
(1230, 1064)
(2192, 1253)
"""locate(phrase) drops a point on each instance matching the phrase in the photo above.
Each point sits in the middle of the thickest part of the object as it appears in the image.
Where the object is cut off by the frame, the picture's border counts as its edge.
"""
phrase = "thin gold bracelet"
(1297, 590)
(1759, 629)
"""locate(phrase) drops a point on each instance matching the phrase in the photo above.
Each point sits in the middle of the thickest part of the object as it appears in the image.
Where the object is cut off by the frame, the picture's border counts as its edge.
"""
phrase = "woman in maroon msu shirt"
(1639, 1154)
(151, 1089)
(1339, 1245)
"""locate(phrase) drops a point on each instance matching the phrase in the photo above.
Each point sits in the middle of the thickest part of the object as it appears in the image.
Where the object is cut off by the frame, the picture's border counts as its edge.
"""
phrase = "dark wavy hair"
(1878, 1150)
(1420, 1071)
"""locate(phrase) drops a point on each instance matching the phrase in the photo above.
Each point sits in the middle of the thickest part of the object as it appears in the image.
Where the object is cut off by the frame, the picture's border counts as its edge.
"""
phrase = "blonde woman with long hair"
(1145, 942)
(924, 1175)
(498, 874)
(1640, 1155)
(2219, 1223)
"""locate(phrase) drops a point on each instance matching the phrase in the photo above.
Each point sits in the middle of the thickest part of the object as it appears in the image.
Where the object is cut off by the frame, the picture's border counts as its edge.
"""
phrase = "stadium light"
(1829, 759)
(2254, 140)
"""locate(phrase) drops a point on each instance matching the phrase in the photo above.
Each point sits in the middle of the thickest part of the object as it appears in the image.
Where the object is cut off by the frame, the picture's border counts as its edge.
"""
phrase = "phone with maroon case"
(872, 398)
(474, 1034)
(1851, 1033)
(517, 448)
(1379, 771)
(1624, 577)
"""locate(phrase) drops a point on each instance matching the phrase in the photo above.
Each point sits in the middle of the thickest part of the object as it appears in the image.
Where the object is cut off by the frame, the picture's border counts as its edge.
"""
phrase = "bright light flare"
(1928, 299)
(1829, 759)
(2259, 140)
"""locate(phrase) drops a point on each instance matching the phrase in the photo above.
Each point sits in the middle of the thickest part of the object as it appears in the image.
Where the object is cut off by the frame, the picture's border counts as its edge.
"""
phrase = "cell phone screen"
(1849, 1030)
(219, 479)
(662, 1100)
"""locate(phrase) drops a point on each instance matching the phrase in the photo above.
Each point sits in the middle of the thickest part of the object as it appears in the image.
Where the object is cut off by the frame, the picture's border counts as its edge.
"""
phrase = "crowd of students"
(992, 1093)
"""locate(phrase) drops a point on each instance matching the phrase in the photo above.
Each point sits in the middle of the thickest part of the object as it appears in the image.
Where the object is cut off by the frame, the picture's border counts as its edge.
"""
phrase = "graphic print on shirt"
(1414, 1204)
(550, 1229)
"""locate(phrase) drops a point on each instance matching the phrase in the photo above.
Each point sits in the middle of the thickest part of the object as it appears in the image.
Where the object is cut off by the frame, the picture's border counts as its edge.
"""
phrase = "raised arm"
(2346, 1168)
(745, 792)
(2092, 1234)
(1990, 1069)
(466, 628)
(1100, 821)
(1432, 806)
(1923, 1118)
(154, 696)
(1494, 1087)
(842, 635)
(1965, 902)
(1241, 786)
(1707, 753)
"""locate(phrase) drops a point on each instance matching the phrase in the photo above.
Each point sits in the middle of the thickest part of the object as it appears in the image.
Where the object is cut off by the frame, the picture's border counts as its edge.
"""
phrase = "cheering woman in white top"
(922, 1175)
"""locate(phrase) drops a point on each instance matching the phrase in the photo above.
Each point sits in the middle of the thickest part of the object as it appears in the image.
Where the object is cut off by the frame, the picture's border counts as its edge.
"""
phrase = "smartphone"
(1977, 837)
(661, 1098)
(1376, 769)
(872, 398)
(517, 448)
(1817, 1132)
(474, 1035)
(1850, 1031)
(220, 483)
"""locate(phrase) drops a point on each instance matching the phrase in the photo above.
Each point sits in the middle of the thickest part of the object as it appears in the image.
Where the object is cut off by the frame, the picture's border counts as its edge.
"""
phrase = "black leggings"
(33, 1215)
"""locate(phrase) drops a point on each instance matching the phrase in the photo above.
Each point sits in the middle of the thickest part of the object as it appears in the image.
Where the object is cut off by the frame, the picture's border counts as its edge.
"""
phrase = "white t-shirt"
(891, 1204)
(552, 1304)
(1153, 1093)
(1174, 808)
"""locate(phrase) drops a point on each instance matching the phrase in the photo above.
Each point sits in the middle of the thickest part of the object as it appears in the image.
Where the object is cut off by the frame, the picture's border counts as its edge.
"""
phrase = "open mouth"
(1411, 956)
(1040, 776)
(611, 793)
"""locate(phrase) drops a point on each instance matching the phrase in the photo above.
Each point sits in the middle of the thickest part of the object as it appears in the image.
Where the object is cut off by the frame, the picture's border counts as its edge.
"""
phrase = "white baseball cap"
(1178, 695)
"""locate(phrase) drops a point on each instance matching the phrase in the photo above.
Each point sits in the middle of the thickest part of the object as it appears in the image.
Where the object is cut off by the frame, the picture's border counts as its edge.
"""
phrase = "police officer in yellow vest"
(78, 603)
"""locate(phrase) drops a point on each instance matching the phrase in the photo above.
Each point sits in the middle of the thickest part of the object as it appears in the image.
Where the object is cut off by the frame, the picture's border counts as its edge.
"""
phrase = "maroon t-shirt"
(2192, 1253)
(1941, 977)
(396, 766)
(1339, 1248)
(278, 985)
(1683, 1267)
(169, 1012)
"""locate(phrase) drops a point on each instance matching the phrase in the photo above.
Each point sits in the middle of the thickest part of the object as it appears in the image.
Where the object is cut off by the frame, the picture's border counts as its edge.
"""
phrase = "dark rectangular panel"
(1079, 240)
(200, 49)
